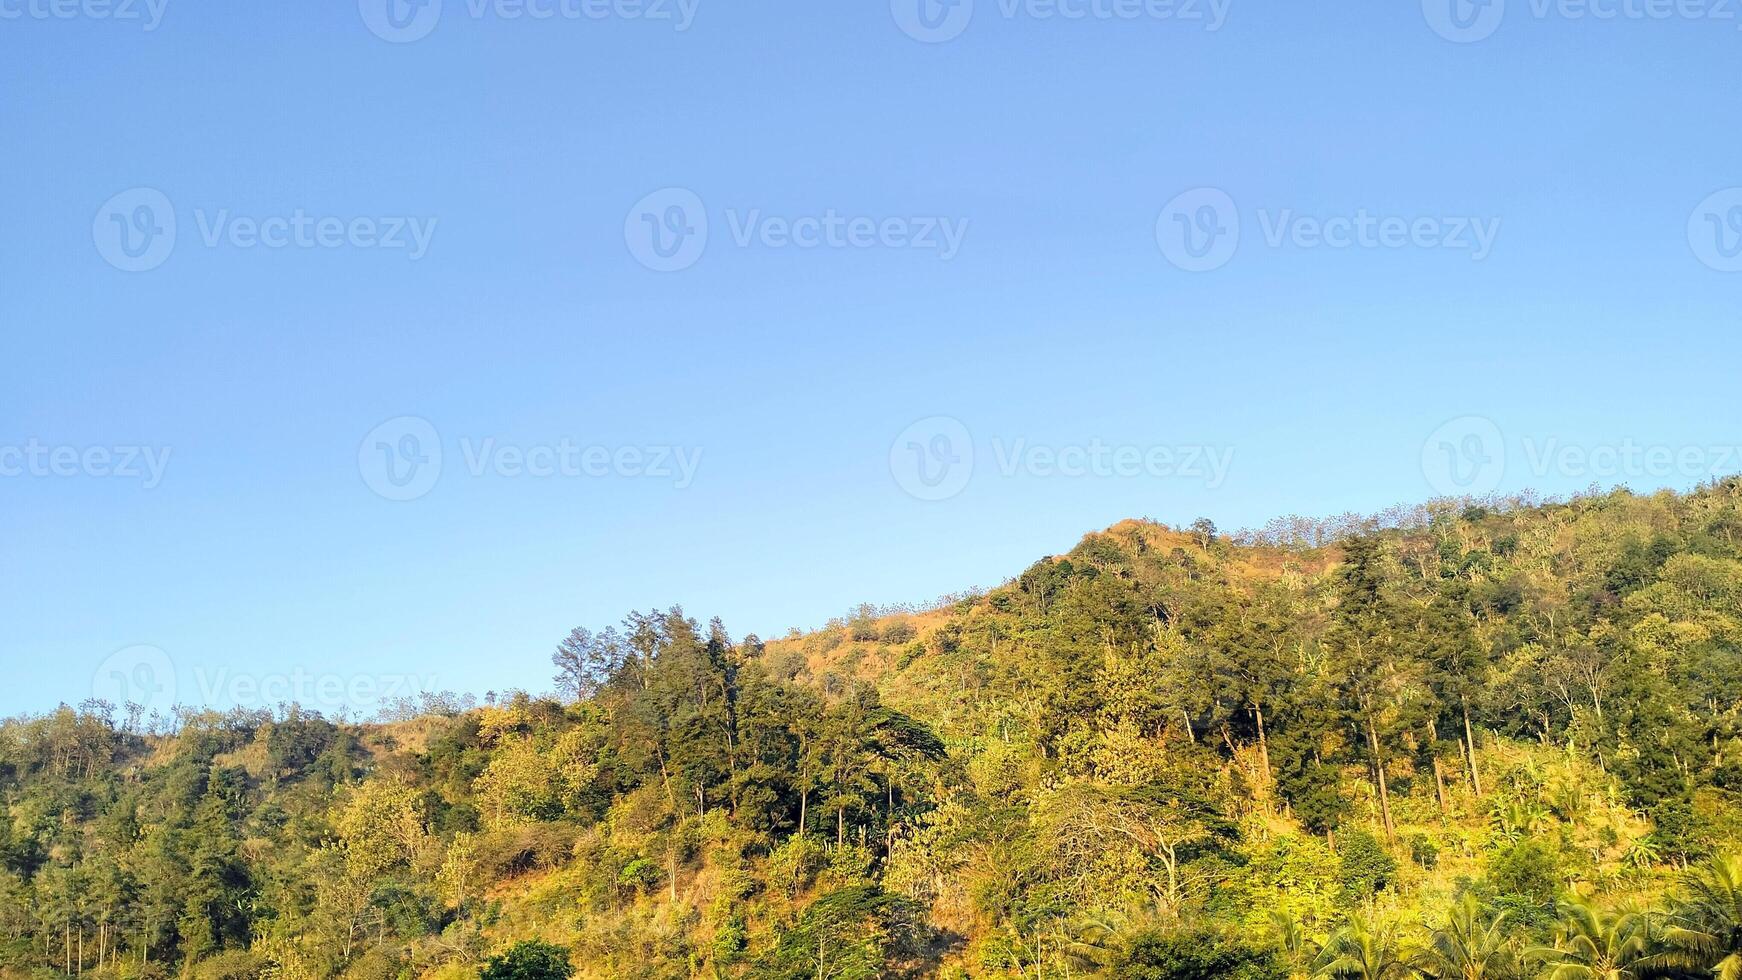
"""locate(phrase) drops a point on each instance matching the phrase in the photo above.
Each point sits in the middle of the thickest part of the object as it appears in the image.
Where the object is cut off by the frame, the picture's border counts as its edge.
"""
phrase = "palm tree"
(1467, 948)
(1705, 931)
(1361, 951)
(1594, 945)
(1295, 946)
(1088, 943)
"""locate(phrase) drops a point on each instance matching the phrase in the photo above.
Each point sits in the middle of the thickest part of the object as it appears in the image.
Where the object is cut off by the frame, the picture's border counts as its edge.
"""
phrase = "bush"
(530, 960)
(378, 963)
(898, 632)
(535, 847)
(1364, 866)
(1194, 955)
(639, 876)
(233, 965)
(1423, 851)
(1528, 870)
(861, 931)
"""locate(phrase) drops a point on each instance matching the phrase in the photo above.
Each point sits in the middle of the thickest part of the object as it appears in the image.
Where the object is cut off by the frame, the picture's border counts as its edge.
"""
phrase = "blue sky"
(1064, 345)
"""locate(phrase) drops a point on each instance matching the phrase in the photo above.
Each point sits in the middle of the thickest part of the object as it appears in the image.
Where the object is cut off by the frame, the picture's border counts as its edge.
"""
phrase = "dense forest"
(1474, 739)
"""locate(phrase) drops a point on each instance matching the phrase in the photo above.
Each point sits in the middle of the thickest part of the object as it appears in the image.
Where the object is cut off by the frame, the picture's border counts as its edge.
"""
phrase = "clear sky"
(570, 244)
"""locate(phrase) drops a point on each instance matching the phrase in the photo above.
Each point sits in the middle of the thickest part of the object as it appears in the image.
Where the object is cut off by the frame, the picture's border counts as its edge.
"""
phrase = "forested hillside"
(1494, 740)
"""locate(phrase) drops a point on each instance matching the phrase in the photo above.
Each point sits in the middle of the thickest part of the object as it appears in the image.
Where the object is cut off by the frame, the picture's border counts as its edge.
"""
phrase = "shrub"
(1363, 866)
(861, 931)
(530, 960)
(233, 965)
(1528, 870)
(518, 850)
(1193, 955)
(1423, 851)
(898, 632)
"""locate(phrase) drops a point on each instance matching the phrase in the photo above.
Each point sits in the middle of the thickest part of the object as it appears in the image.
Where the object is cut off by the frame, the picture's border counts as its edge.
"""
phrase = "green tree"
(1469, 945)
(855, 933)
(1591, 944)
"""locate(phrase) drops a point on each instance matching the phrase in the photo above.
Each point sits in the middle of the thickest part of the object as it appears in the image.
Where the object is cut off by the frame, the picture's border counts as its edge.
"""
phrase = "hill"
(1499, 737)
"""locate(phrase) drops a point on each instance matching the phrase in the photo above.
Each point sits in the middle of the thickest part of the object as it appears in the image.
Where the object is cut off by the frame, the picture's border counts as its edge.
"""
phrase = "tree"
(1364, 951)
(585, 661)
(1376, 675)
(1594, 945)
(214, 911)
(851, 934)
(1469, 946)
(1704, 932)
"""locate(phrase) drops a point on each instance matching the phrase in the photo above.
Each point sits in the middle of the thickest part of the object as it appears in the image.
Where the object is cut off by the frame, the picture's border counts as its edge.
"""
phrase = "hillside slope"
(1165, 753)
